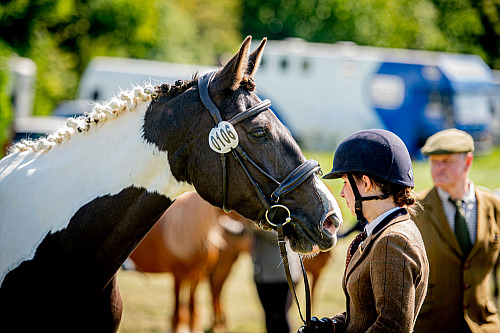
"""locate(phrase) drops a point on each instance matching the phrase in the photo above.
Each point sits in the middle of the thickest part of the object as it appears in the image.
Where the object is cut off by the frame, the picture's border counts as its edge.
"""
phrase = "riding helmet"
(374, 152)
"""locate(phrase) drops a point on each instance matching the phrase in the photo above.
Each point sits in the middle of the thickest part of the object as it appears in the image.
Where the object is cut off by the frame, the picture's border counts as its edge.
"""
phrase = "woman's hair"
(402, 195)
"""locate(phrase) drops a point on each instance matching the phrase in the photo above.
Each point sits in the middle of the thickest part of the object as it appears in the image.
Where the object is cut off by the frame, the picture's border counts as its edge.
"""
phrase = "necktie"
(354, 246)
(461, 228)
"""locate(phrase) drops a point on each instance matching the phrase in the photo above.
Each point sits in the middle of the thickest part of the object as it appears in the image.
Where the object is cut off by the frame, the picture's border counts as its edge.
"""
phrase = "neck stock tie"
(354, 246)
(461, 228)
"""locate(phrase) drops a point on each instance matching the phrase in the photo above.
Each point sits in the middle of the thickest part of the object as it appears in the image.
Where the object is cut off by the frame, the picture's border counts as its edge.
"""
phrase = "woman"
(385, 280)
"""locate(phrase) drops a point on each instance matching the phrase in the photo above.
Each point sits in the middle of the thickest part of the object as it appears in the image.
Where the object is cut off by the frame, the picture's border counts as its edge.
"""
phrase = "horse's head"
(264, 155)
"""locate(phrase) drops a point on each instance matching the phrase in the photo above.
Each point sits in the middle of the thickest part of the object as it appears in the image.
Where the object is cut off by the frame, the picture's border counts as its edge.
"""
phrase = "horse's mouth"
(304, 239)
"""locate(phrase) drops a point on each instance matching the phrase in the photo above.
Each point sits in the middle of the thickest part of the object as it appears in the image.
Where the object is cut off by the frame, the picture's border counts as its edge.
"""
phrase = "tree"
(61, 36)
(464, 26)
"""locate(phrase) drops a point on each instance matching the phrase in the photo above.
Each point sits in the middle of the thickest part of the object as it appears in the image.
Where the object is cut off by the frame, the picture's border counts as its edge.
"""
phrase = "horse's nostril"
(331, 223)
(336, 221)
(328, 223)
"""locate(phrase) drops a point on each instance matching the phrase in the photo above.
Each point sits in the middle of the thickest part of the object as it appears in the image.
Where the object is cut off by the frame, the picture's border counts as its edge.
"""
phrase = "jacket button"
(466, 306)
(466, 265)
(466, 286)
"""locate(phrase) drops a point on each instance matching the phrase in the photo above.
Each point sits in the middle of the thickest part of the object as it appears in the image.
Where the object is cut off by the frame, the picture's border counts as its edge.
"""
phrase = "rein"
(286, 266)
(228, 136)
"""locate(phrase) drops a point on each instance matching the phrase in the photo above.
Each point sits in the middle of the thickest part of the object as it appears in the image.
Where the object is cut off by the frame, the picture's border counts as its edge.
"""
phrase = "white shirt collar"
(370, 226)
(469, 196)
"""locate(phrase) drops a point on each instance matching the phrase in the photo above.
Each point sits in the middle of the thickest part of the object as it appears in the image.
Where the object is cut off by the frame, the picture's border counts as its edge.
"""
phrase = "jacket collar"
(434, 211)
(364, 248)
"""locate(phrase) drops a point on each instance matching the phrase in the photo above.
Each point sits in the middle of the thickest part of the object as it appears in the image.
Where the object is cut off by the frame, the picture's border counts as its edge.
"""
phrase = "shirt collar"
(370, 226)
(469, 196)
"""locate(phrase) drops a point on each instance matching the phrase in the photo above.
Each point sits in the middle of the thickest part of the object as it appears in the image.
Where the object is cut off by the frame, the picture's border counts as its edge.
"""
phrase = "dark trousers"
(273, 297)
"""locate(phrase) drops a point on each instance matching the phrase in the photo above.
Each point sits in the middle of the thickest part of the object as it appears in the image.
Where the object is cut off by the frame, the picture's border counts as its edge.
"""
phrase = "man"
(460, 226)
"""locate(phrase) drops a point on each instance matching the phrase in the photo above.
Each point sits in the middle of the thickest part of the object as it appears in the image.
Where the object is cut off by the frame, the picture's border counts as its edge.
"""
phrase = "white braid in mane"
(127, 100)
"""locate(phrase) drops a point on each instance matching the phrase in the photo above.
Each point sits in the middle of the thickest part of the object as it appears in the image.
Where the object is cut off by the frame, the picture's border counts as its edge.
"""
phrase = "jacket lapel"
(364, 249)
(435, 213)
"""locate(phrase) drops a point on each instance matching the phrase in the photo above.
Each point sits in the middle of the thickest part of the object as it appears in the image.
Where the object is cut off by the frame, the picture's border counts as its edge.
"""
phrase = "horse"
(195, 240)
(191, 242)
(74, 204)
(494, 274)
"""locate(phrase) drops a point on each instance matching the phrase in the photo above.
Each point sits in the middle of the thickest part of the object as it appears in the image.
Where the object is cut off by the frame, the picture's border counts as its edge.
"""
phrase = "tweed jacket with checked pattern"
(386, 280)
(459, 288)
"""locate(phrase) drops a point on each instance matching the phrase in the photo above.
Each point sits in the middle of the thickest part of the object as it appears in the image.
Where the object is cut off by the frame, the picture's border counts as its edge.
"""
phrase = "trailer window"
(472, 109)
(386, 91)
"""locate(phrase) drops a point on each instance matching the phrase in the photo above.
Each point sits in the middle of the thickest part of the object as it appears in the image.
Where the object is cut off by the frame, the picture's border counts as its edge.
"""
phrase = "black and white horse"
(75, 204)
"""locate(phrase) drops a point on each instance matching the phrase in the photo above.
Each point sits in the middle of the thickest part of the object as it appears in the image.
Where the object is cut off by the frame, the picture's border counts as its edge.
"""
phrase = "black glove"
(324, 325)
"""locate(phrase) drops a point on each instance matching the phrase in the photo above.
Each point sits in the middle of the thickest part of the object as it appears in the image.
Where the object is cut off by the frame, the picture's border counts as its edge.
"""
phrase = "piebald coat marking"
(104, 169)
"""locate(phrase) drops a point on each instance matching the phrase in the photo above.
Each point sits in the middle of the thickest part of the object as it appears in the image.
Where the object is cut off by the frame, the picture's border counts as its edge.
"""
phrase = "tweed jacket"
(459, 288)
(386, 280)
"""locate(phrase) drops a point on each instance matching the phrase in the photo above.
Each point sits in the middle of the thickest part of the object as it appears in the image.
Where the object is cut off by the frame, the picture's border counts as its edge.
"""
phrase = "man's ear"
(469, 158)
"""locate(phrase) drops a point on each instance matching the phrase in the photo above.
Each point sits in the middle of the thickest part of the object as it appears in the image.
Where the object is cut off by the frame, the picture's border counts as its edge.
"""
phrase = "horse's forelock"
(248, 83)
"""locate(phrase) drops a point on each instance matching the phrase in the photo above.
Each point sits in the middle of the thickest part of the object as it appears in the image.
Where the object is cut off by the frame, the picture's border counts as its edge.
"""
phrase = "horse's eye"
(259, 133)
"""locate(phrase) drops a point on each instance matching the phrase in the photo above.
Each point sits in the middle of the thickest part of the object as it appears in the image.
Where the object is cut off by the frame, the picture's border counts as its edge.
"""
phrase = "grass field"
(148, 298)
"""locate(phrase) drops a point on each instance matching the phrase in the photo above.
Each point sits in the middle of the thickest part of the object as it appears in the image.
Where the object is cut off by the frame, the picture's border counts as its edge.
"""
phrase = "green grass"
(148, 298)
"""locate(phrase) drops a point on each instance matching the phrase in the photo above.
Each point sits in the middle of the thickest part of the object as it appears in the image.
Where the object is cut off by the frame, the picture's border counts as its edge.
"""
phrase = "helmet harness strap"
(358, 206)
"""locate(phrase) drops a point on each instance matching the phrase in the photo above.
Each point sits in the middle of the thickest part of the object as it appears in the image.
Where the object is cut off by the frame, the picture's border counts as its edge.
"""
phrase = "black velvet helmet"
(374, 152)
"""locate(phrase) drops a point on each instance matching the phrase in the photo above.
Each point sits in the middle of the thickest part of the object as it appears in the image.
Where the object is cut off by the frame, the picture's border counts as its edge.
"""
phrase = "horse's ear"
(254, 59)
(232, 74)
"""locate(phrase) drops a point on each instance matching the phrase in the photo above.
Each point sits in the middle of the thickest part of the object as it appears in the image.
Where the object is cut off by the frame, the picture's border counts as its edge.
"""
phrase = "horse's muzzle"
(332, 223)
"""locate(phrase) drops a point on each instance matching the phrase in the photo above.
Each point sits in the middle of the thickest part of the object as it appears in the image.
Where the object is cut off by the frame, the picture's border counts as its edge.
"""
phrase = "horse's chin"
(305, 241)
(308, 246)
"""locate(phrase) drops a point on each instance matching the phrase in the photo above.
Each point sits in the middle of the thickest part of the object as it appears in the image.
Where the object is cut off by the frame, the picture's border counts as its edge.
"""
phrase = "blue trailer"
(439, 97)
(328, 91)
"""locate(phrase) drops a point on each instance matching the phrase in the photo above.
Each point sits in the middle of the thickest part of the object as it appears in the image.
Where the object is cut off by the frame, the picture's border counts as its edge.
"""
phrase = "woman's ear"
(367, 183)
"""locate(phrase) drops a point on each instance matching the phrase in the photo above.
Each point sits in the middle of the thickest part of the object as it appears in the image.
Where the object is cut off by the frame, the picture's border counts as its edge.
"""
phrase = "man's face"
(449, 169)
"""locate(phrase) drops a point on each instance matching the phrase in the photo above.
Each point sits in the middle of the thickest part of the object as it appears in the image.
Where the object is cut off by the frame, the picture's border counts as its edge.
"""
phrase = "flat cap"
(448, 141)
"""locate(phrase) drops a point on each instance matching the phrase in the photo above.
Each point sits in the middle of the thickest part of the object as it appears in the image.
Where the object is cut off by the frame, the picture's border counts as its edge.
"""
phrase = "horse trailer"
(324, 92)
(327, 91)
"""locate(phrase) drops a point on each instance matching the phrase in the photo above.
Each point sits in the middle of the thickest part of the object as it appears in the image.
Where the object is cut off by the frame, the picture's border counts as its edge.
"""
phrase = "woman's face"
(348, 195)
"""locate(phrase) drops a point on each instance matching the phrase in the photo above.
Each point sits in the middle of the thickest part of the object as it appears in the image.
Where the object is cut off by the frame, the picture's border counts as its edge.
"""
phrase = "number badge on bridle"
(223, 137)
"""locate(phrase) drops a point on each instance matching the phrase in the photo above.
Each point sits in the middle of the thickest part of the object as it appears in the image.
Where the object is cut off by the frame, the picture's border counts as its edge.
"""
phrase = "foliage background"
(61, 36)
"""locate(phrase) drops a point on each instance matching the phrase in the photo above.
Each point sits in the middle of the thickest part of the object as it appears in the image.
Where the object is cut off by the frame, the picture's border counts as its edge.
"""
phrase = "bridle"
(270, 205)
(291, 182)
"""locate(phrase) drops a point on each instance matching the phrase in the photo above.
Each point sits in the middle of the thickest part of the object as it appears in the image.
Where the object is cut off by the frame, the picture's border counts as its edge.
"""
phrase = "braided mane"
(126, 100)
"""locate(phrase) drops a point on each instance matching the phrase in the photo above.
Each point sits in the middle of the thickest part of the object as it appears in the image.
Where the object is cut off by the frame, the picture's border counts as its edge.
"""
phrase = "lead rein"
(284, 257)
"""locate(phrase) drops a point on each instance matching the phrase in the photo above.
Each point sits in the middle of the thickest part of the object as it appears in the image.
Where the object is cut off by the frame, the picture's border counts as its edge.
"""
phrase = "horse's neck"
(43, 191)
(114, 156)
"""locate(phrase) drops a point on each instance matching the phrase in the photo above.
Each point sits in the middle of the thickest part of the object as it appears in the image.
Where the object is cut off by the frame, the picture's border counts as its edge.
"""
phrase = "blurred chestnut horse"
(194, 240)
(188, 241)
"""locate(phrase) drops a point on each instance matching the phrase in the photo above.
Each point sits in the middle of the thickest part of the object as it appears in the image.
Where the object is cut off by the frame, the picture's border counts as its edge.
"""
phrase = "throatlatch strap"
(286, 266)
